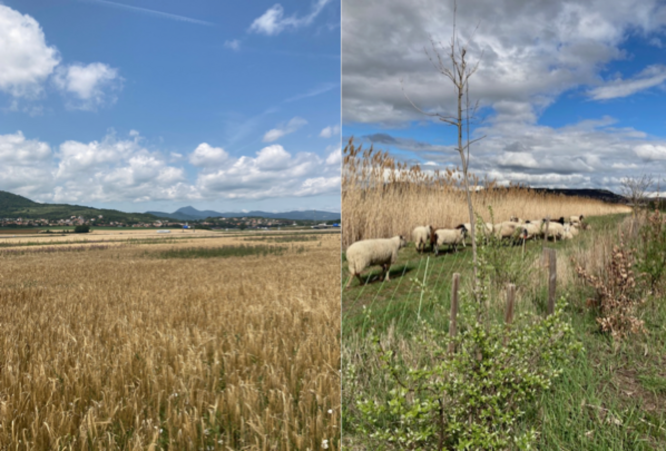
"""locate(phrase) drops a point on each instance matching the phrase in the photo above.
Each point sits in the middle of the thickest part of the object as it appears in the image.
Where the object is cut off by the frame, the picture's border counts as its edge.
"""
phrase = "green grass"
(225, 251)
(612, 398)
(291, 238)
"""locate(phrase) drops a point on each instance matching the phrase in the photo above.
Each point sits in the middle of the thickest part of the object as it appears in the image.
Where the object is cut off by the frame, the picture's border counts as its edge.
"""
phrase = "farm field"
(132, 340)
(613, 397)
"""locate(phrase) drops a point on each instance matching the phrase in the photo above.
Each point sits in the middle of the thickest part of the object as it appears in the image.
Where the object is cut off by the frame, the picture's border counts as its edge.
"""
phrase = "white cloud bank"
(274, 172)
(123, 169)
(27, 62)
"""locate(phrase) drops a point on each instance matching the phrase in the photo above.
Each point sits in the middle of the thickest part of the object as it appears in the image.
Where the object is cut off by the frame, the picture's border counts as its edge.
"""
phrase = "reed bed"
(112, 350)
(382, 198)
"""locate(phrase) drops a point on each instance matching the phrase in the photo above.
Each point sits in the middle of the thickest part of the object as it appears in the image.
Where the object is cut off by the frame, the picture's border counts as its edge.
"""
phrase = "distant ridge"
(15, 206)
(192, 214)
(599, 194)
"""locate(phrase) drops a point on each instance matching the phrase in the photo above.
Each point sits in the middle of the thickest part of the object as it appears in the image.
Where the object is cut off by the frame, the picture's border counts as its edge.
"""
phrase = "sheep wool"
(421, 237)
(365, 253)
(451, 237)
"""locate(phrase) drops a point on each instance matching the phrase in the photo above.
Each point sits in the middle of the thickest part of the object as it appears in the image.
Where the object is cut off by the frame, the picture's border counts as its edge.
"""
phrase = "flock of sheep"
(384, 251)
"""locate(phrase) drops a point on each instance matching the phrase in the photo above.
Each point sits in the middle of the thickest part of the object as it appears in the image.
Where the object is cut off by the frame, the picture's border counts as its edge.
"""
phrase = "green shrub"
(82, 228)
(472, 398)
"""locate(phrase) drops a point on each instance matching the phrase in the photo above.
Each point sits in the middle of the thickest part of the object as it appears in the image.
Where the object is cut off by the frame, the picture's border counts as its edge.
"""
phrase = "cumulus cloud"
(335, 157)
(26, 165)
(531, 53)
(89, 86)
(330, 131)
(205, 155)
(589, 153)
(273, 22)
(282, 129)
(274, 172)
(651, 152)
(25, 59)
(116, 169)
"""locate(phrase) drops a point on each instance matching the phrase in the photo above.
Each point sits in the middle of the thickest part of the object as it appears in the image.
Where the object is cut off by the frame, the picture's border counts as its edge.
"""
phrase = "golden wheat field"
(128, 347)
(382, 198)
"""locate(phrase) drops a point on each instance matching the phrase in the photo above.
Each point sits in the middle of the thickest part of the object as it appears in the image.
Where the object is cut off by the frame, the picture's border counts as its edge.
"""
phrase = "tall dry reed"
(116, 349)
(382, 198)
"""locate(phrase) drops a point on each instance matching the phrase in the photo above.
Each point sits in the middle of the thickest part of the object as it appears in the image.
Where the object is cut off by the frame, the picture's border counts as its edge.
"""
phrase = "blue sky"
(571, 94)
(159, 104)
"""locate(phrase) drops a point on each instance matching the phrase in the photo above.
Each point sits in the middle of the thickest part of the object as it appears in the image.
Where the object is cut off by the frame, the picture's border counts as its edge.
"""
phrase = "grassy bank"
(611, 397)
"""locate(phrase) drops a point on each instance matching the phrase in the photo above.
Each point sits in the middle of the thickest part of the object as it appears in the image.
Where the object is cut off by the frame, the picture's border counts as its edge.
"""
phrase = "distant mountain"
(599, 194)
(15, 206)
(192, 214)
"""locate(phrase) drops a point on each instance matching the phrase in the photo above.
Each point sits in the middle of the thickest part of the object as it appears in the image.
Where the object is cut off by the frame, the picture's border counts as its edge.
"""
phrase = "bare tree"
(451, 61)
(635, 190)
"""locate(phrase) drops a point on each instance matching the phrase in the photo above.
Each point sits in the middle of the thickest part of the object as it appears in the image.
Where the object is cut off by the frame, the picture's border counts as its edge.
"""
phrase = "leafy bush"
(474, 397)
(82, 229)
(617, 295)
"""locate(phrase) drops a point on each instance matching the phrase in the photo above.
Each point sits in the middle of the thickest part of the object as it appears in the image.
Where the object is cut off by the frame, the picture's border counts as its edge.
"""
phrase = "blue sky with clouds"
(158, 104)
(572, 94)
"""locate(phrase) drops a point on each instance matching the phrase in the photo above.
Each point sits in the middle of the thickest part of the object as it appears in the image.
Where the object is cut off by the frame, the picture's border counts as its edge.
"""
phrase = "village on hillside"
(209, 223)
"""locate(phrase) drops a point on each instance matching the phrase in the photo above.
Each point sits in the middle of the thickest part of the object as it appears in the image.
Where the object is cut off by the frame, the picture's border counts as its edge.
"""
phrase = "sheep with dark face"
(450, 237)
(421, 237)
(365, 253)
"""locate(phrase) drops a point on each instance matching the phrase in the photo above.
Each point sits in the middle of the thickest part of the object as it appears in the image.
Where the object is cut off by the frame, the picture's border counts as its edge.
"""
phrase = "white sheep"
(380, 251)
(421, 236)
(516, 219)
(530, 230)
(555, 230)
(451, 237)
(567, 233)
(506, 229)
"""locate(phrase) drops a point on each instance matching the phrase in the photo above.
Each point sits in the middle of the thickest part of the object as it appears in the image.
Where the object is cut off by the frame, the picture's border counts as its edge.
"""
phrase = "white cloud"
(90, 86)
(281, 130)
(531, 52)
(273, 173)
(335, 157)
(329, 131)
(233, 44)
(25, 58)
(651, 152)
(27, 165)
(589, 153)
(273, 22)
(650, 77)
(205, 155)
(116, 169)
(15, 149)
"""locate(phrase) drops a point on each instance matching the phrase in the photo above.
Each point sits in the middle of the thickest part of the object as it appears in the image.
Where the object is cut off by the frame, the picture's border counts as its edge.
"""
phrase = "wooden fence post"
(508, 317)
(552, 280)
(545, 234)
(453, 320)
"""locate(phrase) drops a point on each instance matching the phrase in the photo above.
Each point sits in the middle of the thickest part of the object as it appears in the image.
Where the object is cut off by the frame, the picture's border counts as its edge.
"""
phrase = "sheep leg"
(386, 272)
(351, 277)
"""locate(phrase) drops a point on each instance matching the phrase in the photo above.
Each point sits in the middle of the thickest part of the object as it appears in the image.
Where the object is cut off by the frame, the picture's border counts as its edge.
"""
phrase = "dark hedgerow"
(226, 251)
